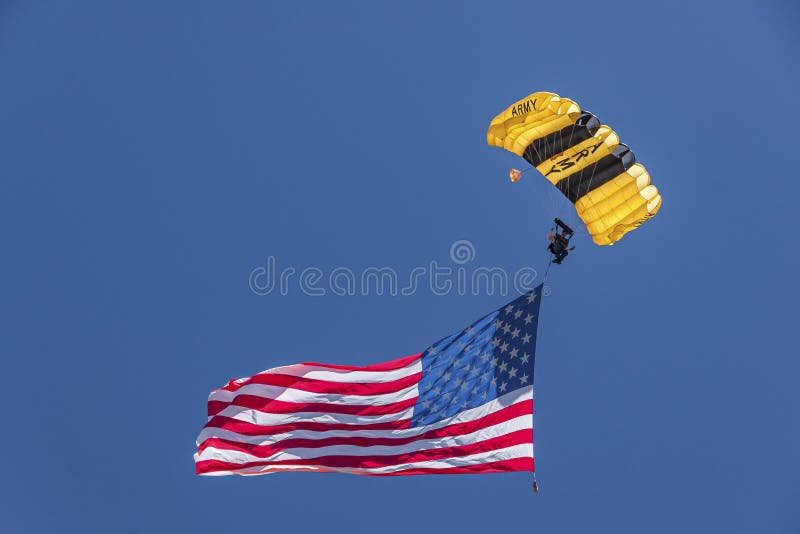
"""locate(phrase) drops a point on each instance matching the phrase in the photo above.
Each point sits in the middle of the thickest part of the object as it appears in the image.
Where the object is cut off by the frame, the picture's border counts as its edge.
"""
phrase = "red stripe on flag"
(518, 437)
(263, 404)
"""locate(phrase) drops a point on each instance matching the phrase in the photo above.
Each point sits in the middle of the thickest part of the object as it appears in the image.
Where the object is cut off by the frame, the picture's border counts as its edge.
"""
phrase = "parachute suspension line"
(553, 200)
(582, 231)
(547, 149)
(568, 180)
(554, 195)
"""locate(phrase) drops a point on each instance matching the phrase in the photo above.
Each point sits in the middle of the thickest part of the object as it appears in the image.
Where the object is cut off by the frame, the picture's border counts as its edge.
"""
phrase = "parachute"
(583, 158)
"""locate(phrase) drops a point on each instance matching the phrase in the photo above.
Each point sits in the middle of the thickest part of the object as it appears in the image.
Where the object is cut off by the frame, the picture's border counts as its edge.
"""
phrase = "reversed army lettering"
(571, 161)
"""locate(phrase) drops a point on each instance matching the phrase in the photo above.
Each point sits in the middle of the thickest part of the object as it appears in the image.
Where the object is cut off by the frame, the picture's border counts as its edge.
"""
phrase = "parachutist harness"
(566, 233)
(560, 245)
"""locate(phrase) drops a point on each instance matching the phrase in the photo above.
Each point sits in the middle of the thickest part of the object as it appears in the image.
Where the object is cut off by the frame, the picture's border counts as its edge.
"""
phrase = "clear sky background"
(153, 154)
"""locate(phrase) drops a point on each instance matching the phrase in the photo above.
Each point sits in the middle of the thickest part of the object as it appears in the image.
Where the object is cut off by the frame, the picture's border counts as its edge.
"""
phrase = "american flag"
(465, 405)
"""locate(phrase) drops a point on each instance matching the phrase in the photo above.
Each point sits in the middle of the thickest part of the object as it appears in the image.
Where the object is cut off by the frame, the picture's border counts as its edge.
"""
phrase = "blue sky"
(153, 154)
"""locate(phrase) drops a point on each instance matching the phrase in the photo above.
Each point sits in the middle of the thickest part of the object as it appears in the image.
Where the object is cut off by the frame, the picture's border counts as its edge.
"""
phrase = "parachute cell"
(583, 158)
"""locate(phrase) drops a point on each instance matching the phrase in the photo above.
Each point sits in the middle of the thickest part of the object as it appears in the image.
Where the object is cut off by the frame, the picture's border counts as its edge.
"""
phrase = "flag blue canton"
(492, 357)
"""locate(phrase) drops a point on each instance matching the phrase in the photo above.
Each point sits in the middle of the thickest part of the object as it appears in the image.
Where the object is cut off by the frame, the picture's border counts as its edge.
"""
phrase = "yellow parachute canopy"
(583, 158)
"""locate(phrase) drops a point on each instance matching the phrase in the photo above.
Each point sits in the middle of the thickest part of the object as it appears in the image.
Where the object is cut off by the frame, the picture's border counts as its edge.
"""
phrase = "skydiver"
(558, 245)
